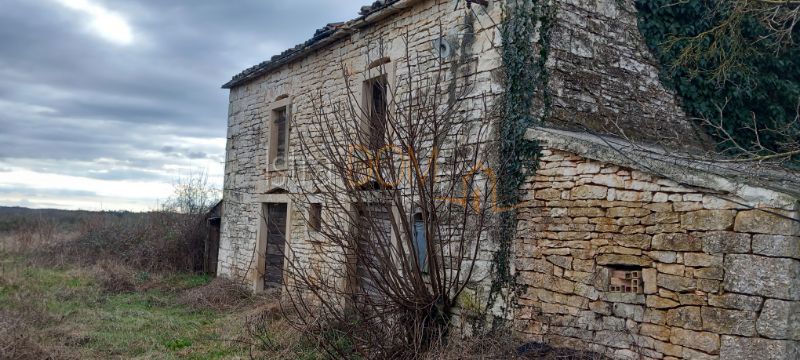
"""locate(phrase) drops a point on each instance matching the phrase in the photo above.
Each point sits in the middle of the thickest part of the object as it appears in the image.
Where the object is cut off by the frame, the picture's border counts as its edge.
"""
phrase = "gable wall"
(603, 78)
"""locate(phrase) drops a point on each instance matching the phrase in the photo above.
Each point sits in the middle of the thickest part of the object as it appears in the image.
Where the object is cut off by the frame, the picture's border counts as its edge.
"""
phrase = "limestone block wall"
(600, 73)
(717, 280)
(602, 76)
(245, 161)
(473, 39)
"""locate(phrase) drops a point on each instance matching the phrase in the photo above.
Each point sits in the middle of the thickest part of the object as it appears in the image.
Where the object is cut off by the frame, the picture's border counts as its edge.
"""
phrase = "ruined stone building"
(620, 247)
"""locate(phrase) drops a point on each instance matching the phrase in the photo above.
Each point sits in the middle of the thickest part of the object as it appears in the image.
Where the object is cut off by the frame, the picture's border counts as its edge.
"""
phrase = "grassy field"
(123, 286)
(68, 313)
(116, 285)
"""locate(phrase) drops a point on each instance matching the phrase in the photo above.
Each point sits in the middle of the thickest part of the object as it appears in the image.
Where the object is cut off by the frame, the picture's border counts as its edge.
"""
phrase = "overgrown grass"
(123, 285)
(66, 311)
(79, 294)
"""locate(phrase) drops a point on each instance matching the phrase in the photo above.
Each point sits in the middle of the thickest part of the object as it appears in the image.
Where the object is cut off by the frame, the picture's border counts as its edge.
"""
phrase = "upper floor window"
(376, 101)
(279, 138)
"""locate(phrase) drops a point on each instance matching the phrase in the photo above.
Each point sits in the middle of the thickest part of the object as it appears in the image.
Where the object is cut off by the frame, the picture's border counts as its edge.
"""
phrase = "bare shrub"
(17, 342)
(408, 203)
(114, 277)
(221, 294)
(154, 241)
(167, 240)
(269, 334)
(28, 233)
(192, 194)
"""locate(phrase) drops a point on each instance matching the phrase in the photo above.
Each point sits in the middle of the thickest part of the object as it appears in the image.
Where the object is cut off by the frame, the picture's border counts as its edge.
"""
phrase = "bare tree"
(777, 145)
(398, 172)
(729, 43)
(192, 194)
(739, 134)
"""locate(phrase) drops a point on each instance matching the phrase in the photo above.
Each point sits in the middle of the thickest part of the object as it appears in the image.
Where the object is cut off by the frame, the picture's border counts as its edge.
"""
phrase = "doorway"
(276, 216)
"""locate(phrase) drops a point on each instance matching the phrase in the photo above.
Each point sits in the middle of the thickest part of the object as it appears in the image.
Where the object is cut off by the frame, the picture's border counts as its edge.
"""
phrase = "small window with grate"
(624, 279)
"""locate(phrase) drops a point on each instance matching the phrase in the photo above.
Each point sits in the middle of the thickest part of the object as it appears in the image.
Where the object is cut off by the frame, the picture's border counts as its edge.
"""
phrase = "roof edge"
(328, 35)
(770, 187)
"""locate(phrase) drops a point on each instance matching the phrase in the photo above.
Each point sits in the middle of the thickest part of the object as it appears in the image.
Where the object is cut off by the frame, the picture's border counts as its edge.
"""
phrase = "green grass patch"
(188, 281)
(146, 324)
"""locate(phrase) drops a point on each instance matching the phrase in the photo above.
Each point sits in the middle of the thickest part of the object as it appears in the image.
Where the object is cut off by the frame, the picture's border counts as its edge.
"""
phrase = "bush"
(154, 242)
(114, 277)
(26, 233)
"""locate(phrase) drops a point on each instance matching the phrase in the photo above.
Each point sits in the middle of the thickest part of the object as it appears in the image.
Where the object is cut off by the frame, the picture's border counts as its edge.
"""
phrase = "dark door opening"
(276, 244)
(375, 235)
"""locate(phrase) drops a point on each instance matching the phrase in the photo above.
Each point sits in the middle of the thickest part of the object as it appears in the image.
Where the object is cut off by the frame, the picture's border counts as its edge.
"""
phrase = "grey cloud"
(57, 198)
(68, 98)
(44, 193)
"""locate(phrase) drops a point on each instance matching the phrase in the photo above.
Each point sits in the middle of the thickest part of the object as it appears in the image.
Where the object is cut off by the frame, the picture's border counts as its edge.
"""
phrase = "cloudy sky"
(104, 104)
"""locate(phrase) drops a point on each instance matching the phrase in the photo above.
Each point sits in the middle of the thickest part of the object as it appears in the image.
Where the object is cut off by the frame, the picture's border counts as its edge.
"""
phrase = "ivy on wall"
(761, 83)
(525, 80)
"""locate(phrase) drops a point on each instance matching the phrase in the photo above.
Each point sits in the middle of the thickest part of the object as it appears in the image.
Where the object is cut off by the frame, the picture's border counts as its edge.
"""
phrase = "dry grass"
(114, 277)
(269, 334)
(484, 347)
(25, 236)
(79, 294)
(221, 294)
(545, 352)
(23, 317)
(73, 313)
(505, 346)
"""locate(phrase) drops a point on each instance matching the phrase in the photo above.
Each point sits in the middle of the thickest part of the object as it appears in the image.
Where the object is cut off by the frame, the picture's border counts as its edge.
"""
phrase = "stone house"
(621, 249)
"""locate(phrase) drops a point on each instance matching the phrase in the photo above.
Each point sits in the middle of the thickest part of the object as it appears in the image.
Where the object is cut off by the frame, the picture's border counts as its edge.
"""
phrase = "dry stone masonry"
(298, 76)
(717, 274)
(634, 256)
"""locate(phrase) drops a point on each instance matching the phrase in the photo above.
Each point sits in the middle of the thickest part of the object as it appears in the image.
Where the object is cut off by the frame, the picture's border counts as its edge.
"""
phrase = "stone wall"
(720, 280)
(603, 78)
(599, 72)
(472, 38)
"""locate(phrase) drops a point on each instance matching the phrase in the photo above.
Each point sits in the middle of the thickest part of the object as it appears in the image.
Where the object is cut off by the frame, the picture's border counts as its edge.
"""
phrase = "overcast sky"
(104, 104)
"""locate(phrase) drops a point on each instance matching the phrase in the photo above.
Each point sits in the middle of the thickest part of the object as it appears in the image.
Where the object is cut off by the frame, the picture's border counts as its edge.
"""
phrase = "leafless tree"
(398, 169)
(782, 150)
(726, 45)
(192, 194)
